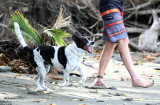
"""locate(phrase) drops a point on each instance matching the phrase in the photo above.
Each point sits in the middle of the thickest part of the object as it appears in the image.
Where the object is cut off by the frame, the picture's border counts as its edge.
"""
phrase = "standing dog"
(65, 58)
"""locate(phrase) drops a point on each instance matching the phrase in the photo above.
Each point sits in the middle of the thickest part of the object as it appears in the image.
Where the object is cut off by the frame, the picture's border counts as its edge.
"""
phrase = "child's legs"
(126, 57)
(105, 57)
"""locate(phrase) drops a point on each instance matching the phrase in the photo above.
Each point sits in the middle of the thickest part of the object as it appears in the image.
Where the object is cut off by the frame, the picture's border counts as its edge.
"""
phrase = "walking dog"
(65, 58)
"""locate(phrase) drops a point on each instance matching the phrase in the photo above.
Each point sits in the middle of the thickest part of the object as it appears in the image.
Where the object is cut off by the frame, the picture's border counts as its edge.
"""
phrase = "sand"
(19, 89)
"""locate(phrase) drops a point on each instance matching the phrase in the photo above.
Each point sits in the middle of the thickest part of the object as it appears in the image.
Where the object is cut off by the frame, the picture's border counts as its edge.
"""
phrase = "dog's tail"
(20, 38)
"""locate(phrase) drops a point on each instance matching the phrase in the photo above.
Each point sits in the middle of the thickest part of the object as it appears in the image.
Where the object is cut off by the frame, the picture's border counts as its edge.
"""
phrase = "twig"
(94, 25)
(144, 12)
(18, 3)
(140, 6)
(129, 16)
(3, 25)
(134, 30)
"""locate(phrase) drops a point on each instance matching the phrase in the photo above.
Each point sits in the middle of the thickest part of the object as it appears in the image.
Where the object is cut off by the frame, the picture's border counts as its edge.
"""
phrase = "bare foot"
(99, 82)
(138, 82)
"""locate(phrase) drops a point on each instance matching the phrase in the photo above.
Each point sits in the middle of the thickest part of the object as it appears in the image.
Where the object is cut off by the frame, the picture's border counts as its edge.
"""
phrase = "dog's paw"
(49, 90)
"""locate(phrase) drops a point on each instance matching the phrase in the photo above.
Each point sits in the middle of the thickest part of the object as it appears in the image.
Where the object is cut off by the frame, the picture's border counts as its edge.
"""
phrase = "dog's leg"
(36, 79)
(47, 68)
(82, 81)
(66, 79)
(42, 74)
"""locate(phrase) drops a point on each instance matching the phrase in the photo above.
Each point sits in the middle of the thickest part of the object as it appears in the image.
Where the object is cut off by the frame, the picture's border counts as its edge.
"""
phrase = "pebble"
(128, 99)
(116, 71)
(112, 88)
(119, 94)
(116, 94)
(34, 92)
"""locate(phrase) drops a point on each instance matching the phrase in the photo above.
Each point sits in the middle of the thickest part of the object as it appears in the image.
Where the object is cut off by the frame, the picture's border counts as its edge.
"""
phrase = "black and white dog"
(65, 58)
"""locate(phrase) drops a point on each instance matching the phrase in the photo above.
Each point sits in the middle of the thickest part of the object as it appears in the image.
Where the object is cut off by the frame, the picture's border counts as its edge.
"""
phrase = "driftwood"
(144, 12)
(134, 30)
(148, 39)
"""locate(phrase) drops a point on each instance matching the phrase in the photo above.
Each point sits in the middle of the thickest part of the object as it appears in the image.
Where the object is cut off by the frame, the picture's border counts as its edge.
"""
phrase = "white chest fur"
(74, 57)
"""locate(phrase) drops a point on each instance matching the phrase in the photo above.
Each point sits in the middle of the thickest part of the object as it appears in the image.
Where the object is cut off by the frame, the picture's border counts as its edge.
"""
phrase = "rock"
(81, 99)
(100, 101)
(34, 92)
(128, 99)
(116, 71)
(95, 87)
(98, 87)
(116, 94)
(119, 94)
(5, 69)
(112, 88)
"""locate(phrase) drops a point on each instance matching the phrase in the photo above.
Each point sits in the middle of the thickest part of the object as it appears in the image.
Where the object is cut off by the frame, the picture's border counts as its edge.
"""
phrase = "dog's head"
(83, 43)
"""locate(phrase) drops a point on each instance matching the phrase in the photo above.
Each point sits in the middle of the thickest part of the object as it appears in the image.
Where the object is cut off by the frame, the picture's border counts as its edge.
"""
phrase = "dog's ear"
(75, 38)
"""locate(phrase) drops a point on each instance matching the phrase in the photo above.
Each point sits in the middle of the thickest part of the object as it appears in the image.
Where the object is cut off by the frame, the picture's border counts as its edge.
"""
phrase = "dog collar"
(76, 54)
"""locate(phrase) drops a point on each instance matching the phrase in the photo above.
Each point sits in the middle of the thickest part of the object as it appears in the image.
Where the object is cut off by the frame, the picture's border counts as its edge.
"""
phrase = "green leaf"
(28, 32)
(57, 36)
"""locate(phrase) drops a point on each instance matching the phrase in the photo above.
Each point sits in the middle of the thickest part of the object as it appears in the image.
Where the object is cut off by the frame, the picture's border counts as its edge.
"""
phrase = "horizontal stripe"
(115, 29)
(112, 30)
(117, 33)
(114, 23)
(110, 11)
